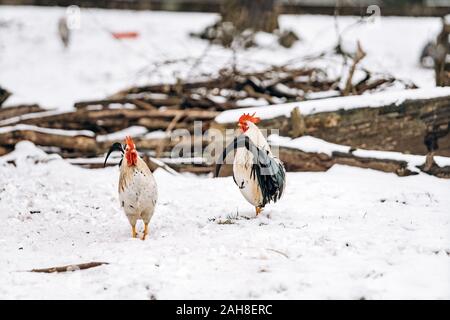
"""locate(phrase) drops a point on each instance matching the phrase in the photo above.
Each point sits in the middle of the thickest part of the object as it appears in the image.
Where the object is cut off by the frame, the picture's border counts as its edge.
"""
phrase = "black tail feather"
(269, 172)
(115, 147)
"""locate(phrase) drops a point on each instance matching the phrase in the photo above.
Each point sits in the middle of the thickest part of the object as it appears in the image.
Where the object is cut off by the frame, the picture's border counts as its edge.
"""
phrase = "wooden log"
(111, 120)
(126, 113)
(143, 105)
(140, 102)
(390, 127)
(15, 111)
(385, 165)
(193, 168)
(170, 88)
(296, 160)
(196, 168)
(432, 168)
(86, 145)
(187, 143)
(161, 124)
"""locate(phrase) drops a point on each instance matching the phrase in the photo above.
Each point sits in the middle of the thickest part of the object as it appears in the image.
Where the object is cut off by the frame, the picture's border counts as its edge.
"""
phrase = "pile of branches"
(233, 89)
(83, 133)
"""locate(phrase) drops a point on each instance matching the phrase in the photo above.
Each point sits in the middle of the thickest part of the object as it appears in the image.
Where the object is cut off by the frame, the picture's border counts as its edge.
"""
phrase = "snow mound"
(308, 144)
(373, 100)
(26, 153)
(316, 145)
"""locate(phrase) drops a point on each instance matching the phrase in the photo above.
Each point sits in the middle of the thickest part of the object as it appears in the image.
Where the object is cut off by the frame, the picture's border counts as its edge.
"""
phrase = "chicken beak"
(115, 147)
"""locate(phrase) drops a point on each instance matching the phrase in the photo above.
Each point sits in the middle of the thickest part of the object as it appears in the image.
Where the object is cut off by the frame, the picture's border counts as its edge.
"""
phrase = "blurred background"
(147, 68)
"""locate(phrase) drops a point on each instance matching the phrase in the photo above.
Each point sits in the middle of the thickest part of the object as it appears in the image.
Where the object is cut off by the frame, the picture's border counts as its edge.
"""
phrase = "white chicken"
(260, 175)
(137, 187)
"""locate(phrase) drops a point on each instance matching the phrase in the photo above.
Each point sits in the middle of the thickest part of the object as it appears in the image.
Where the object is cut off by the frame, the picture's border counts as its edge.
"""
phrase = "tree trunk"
(392, 127)
(259, 15)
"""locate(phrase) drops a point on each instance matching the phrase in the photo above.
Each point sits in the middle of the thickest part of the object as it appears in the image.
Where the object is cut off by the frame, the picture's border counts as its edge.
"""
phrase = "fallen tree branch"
(86, 145)
(15, 111)
(72, 267)
(360, 54)
(432, 168)
(112, 120)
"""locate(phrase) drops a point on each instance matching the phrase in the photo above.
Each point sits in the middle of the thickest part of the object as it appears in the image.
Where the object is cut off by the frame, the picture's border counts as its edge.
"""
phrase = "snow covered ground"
(35, 67)
(347, 233)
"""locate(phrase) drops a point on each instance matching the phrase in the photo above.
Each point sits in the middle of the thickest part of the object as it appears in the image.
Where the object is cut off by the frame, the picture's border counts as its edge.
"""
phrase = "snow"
(346, 233)
(316, 145)
(413, 160)
(69, 133)
(158, 134)
(251, 102)
(32, 115)
(36, 68)
(133, 131)
(373, 100)
(308, 144)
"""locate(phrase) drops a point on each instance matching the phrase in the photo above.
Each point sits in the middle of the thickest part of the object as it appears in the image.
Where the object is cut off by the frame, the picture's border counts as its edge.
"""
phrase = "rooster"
(137, 186)
(260, 176)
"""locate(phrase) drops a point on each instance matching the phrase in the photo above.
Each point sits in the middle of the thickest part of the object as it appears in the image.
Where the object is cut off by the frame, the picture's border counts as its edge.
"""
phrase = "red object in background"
(125, 35)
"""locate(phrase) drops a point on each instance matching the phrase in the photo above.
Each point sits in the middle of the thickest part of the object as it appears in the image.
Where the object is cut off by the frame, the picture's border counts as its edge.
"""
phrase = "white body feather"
(137, 191)
(242, 166)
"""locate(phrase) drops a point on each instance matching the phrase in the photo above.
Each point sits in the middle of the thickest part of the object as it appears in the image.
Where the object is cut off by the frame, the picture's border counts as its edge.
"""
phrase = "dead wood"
(359, 55)
(296, 160)
(83, 144)
(289, 84)
(140, 102)
(298, 123)
(15, 111)
(385, 165)
(143, 105)
(111, 120)
(393, 127)
(68, 268)
(432, 168)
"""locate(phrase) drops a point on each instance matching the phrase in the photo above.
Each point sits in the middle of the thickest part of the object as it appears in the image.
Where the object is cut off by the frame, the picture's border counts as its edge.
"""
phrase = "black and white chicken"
(260, 176)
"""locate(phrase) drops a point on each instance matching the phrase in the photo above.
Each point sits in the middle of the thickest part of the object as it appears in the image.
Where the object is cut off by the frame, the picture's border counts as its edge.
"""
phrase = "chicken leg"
(145, 231)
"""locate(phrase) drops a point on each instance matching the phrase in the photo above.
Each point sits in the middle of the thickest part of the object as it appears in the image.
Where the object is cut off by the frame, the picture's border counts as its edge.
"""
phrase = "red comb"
(129, 141)
(247, 117)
